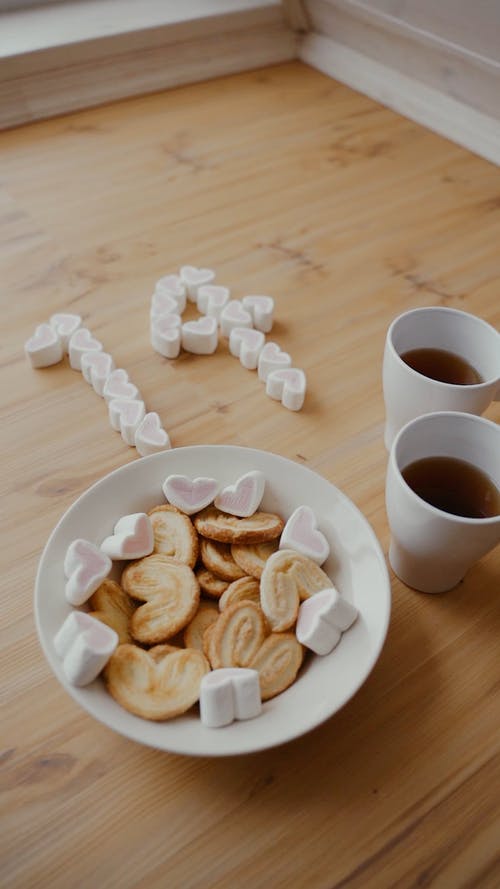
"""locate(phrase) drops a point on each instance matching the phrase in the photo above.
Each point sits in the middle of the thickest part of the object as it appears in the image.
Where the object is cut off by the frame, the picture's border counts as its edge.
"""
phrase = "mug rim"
(458, 519)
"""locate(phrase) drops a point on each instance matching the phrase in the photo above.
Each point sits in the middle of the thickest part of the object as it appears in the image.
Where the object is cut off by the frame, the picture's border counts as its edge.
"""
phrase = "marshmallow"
(190, 495)
(234, 315)
(246, 344)
(163, 304)
(132, 538)
(243, 498)
(212, 299)
(194, 278)
(125, 415)
(150, 436)
(174, 287)
(227, 694)
(85, 645)
(44, 347)
(65, 325)
(96, 368)
(85, 568)
(118, 385)
(272, 358)
(166, 335)
(81, 341)
(261, 309)
(200, 337)
(288, 386)
(301, 534)
(322, 620)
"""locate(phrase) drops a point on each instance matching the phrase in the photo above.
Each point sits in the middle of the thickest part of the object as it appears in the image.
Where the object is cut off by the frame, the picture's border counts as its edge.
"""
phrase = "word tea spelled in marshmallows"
(44, 347)
(150, 436)
(125, 415)
(272, 358)
(200, 337)
(212, 299)
(81, 341)
(261, 309)
(194, 278)
(246, 344)
(234, 315)
(288, 386)
(166, 335)
(65, 325)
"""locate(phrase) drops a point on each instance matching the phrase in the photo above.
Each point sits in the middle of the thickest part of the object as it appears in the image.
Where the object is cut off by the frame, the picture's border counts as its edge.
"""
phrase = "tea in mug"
(454, 486)
(446, 367)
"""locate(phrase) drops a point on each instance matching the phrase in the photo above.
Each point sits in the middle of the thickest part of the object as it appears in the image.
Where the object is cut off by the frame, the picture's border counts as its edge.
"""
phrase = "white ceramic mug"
(432, 550)
(408, 393)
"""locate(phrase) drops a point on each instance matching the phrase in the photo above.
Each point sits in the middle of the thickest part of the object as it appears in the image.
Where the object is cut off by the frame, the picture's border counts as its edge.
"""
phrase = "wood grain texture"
(289, 184)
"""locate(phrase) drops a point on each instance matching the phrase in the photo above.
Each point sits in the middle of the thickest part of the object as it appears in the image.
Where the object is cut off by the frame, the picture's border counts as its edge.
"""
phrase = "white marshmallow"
(96, 368)
(163, 304)
(125, 416)
(81, 341)
(243, 498)
(174, 287)
(201, 336)
(227, 694)
(212, 299)
(261, 309)
(301, 533)
(44, 347)
(132, 538)
(234, 315)
(246, 344)
(190, 495)
(272, 358)
(322, 619)
(194, 278)
(85, 568)
(85, 645)
(288, 386)
(150, 436)
(118, 385)
(166, 335)
(65, 324)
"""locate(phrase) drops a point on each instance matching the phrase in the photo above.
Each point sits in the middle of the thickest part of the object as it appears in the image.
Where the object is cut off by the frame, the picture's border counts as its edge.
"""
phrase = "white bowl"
(356, 566)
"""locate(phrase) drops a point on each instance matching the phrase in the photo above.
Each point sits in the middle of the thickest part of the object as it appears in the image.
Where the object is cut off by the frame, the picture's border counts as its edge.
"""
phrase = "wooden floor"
(289, 184)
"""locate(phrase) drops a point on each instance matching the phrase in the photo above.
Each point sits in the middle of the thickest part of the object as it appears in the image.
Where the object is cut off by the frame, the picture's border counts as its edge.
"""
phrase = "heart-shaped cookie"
(85, 568)
(150, 436)
(118, 385)
(257, 528)
(113, 607)
(170, 591)
(65, 324)
(245, 589)
(234, 315)
(174, 534)
(190, 495)
(132, 538)
(277, 662)
(251, 557)
(206, 615)
(246, 344)
(194, 278)
(288, 386)
(201, 336)
(288, 578)
(166, 335)
(44, 347)
(301, 533)
(81, 341)
(272, 358)
(243, 498)
(218, 559)
(237, 635)
(261, 309)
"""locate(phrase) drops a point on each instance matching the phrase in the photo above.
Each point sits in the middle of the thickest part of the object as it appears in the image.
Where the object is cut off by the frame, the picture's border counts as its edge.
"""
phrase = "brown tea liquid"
(443, 366)
(454, 486)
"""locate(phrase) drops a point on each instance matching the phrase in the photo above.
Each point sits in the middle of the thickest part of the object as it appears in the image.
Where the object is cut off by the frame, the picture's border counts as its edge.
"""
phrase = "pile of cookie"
(218, 602)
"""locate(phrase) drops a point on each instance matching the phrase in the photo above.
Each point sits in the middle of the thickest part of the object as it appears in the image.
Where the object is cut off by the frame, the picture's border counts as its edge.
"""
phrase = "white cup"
(431, 550)
(408, 393)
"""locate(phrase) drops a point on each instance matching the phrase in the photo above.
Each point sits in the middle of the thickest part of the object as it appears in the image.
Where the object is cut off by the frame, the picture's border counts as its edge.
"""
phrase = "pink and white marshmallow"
(125, 416)
(173, 286)
(288, 386)
(96, 368)
(302, 534)
(261, 309)
(166, 335)
(84, 645)
(200, 337)
(150, 436)
(212, 299)
(243, 498)
(44, 348)
(132, 538)
(234, 315)
(227, 694)
(190, 495)
(118, 385)
(194, 278)
(163, 304)
(272, 358)
(81, 341)
(85, 568)
(246, 344)
(65, 324)
(322, 620)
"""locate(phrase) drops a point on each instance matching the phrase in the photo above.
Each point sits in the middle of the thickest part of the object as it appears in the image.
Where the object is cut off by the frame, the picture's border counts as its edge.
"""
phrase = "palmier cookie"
(206, 615)
(257, 528)
(252, 557)
(245, 589)
(237, 635)
(111, 605)
(288, 578)
(277, 662)
(217, 558)
(170, 591)
(210, 585)
(174, 534)
(157, 684)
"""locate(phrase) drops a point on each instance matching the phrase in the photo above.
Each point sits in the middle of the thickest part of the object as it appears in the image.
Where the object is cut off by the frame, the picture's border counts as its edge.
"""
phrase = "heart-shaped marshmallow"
(234, 315)
(163, 304)
(194, 278)
(301, 534)
(96, 368)
(243, 498)
(125, 415)
(322, 619)
(272, 358)
(81, 341)
(150, 436)
(173, 286)
(132, 538)
(288, 386)
(85, 568)
(212, 299)
(201, 336)
(166, 335)
(85, 645)
(190, 495)
(227, 694)
(65, 324)
(118, 385)
(44, 347)
(246, 344)
(261, 309)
